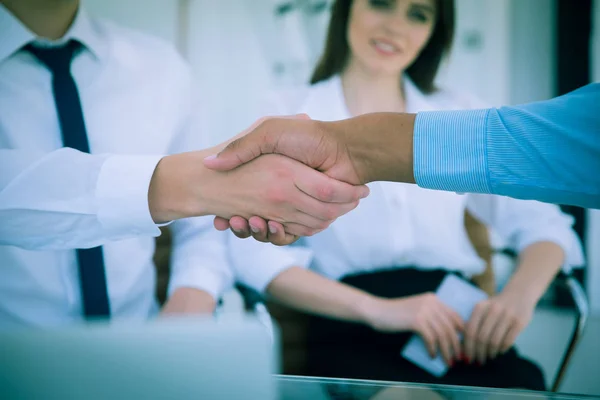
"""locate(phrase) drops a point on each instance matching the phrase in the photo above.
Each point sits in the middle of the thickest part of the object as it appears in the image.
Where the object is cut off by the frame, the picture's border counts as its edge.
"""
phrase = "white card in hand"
(462, 297)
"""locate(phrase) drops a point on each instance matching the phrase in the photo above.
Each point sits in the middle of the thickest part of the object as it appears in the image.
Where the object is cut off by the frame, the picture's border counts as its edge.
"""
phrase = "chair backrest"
(293, 324)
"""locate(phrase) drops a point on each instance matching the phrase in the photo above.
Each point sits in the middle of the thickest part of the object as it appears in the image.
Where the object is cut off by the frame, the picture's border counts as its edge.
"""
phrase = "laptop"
(179, 358)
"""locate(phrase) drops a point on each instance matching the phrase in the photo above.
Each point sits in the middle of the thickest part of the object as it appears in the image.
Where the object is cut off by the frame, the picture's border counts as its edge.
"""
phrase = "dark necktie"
(92, 276)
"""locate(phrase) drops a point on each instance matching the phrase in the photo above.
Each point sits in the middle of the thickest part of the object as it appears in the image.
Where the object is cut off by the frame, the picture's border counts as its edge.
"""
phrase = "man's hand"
(189, 301)
(437, 324)
(358, 150)
(494, 326)
(277, 188)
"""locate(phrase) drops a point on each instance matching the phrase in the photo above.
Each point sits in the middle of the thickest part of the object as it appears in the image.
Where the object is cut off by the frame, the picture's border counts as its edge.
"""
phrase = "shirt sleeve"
(547, 151)
(67, 199)
(524, 222)
(199, 257)
(256, 264)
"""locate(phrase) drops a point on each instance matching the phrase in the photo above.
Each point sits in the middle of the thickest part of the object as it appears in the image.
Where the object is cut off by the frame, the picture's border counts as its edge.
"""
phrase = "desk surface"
(299, 388)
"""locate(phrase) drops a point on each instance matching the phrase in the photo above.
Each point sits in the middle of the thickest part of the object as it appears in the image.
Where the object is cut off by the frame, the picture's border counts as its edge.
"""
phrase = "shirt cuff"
(450, 151)
(122, 193)
(209, 280)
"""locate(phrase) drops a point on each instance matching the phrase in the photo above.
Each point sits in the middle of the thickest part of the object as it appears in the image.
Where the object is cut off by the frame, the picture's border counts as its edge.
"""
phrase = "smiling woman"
(366, 34)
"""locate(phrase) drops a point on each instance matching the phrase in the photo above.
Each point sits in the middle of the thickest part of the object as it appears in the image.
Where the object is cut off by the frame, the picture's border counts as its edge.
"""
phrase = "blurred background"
(505, 52)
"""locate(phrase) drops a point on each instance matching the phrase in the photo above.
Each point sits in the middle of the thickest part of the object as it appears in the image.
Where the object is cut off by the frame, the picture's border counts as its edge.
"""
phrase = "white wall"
(503, 50)
(532, 50)
(479, 60)
(228, 63)
(158, 17)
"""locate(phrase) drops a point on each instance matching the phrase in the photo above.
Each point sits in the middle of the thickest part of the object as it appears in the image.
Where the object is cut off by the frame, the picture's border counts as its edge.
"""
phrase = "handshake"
(286, 177)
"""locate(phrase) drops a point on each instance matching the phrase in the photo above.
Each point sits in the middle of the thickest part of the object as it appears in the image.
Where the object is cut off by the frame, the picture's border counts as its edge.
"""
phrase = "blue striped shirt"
(547, 151)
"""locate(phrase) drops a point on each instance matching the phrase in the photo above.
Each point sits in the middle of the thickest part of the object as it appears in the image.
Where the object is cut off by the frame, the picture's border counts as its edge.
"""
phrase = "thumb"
(247, 146)
(236, 153)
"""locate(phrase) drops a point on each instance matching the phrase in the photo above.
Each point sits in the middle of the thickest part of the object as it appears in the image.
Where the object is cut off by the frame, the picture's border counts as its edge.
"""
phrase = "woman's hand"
(494, 326)
(425, 314)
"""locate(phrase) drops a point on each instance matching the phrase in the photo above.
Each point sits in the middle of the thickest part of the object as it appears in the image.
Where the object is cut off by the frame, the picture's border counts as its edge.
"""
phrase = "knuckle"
(495, 308)
(325, 192)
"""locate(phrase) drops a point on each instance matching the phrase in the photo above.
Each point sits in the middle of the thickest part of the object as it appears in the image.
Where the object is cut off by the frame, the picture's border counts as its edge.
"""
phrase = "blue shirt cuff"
(450, 151)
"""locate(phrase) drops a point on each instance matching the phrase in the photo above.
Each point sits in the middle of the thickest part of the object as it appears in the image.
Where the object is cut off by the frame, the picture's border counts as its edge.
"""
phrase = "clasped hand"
(347, 151)
(490, 331)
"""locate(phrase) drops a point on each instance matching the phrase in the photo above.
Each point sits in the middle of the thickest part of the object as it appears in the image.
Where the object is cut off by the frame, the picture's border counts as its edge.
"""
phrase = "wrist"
(368, 309)
(526, 296)
(380, 145)
(187, 300)
(176, 187)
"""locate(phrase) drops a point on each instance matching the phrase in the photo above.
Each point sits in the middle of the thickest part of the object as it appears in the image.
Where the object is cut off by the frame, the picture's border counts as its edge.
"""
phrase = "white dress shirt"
(400, 225)
(136, 100)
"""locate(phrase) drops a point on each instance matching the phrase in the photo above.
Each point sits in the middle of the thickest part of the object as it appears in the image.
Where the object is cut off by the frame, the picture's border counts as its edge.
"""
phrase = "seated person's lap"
(349, 350)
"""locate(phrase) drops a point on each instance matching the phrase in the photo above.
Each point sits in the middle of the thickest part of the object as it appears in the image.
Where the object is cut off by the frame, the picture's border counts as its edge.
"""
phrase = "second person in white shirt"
(372, 274)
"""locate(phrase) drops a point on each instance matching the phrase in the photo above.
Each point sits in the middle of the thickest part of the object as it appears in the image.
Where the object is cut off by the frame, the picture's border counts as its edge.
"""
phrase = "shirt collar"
(16, 35)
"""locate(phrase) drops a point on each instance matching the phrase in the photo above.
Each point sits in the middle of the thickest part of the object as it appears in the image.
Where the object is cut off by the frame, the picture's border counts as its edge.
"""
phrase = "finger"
(324, 213)
(442, 334)
(247, 145)
(452, 327)
(300, 230)
(498, 338)
(429, 338)
(239, 226)
(259, 229)
(278, 236)
(221, 224)
(510, 338)
(323, 188)
(472, 330)
(492, 320)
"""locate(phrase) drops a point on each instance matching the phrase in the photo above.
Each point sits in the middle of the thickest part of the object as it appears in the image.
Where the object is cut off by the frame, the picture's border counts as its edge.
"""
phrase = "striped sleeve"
(450, 151)
(547, 151)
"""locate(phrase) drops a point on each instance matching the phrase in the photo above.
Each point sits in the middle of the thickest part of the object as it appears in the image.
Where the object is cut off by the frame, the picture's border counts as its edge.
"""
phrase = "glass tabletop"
(308, 388)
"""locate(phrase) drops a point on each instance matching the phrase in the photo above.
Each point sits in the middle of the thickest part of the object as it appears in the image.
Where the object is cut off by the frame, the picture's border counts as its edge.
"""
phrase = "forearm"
(189, 301)
(537, 266)
(307, 291)
(380, 145)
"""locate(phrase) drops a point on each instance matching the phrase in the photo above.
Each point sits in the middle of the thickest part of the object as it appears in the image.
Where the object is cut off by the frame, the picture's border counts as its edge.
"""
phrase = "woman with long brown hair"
(370, 279)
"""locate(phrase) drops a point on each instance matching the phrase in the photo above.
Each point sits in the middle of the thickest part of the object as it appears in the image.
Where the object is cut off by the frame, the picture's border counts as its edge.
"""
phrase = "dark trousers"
(347, 350)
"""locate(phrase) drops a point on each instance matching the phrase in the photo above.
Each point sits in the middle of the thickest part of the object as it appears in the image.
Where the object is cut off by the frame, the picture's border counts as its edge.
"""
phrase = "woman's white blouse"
(401, 225)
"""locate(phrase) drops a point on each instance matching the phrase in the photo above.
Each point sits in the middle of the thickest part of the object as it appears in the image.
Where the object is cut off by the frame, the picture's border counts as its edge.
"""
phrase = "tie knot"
(57, 59)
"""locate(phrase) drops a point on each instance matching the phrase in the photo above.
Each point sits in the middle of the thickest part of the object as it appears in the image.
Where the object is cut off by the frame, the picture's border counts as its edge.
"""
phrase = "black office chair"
(581, 307)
